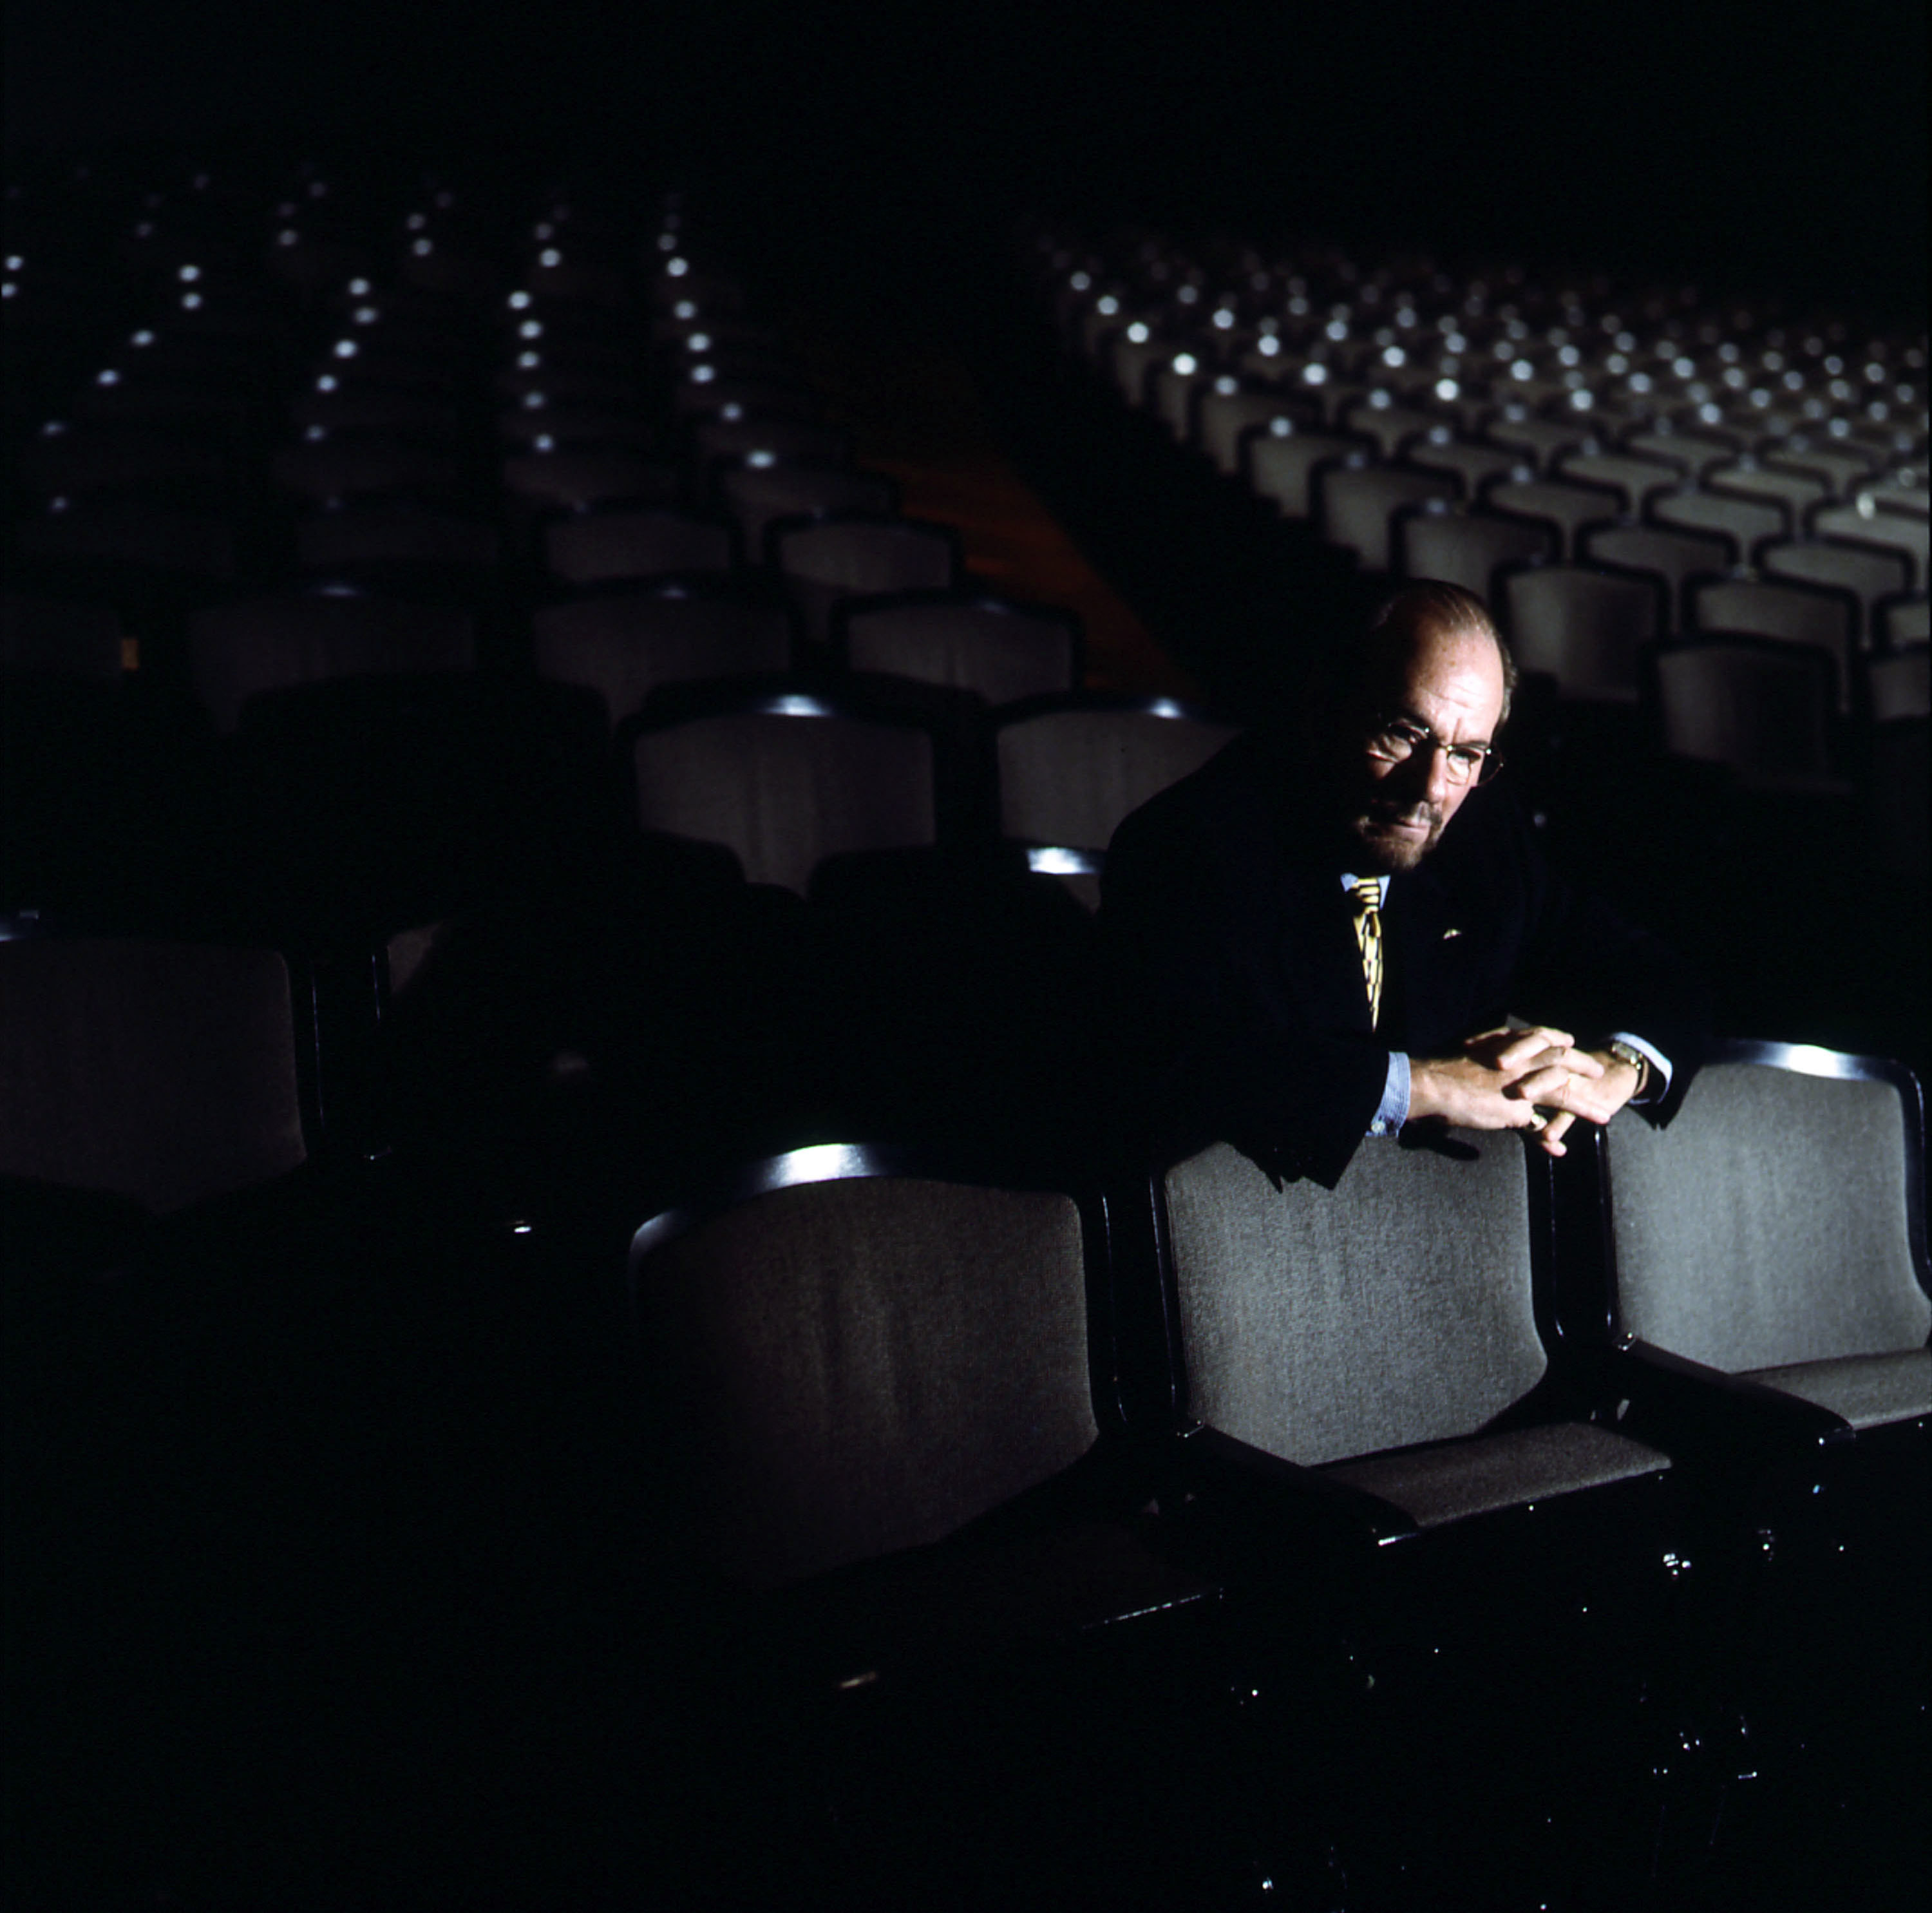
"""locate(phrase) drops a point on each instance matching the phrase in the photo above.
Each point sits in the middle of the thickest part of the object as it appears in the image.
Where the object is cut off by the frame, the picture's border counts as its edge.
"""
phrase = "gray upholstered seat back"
(1069, 777)
(1672, 556)
(1001, 655)
(1465, 548)
(1767, 1225)
(1554, 501)
(785, 792)
(1747, 522)
(624, 648)
(165, 1072)
(1395, 1310)
(1900, 684)
(867, 1365)
(1357, 504)
(852, 558)
(756, 495)
(1587, 629)
(1870, 576)
(634, 545)
(1763, 709)
(1281, 464)
(1902, 532)
(1792, 492)
(1788, 612)
(237, 651)
(1225, 416)
(863, 558)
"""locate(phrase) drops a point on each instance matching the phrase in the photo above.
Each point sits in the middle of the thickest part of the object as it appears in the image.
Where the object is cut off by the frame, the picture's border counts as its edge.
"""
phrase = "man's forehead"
(1424, 653)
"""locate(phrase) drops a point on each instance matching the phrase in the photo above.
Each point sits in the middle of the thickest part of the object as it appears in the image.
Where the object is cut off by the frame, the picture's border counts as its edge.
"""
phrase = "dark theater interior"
(586, 1326)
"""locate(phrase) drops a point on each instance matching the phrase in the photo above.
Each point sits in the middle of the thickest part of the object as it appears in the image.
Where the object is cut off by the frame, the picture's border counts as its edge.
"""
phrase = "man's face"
(1449, 682)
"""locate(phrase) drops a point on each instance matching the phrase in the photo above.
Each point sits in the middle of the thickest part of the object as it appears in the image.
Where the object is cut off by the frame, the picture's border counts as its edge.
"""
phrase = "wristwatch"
(1626, 1052)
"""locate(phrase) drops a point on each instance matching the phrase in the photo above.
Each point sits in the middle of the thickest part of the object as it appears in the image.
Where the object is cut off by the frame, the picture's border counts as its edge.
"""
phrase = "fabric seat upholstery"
(864, 1365)
(1771, 1234)
(825, 562)
(1395, 1313)
(1586, 628)
(1069, 776)
(163, 1072)
(1001, 652)
(624, 648)
(785, 792)
(238, 651)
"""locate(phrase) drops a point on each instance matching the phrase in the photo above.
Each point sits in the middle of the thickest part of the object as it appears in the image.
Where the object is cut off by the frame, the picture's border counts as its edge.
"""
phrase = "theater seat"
(624, 646)
(1000, 652)
(1773, 1233)
(1674, 557)
(757, 495)
(826, 561)
(1466, 547)
(891, 1442)
(601, 546)
(1567, 507)
(1370, 1438)
(794, 1317)
(783, 781)
(1384, 1334)
(1071, 768)
(241, 650)
(1793, 614)
(1763, 708)
(1355, 505)
(164, 1072)
(1586, 628)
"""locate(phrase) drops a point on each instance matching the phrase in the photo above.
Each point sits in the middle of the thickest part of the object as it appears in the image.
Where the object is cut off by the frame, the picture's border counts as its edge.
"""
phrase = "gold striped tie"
(1367, 893)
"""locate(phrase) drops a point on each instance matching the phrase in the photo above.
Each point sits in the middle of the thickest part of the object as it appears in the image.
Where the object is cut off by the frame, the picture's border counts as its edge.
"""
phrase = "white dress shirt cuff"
(1393, 1111)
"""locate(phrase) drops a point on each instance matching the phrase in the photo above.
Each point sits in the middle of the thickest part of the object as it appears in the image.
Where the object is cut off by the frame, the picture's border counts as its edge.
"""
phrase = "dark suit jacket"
(1236, 984)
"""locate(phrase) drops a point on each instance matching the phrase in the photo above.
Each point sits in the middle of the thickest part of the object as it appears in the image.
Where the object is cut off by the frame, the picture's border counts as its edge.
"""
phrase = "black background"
(1752, 149)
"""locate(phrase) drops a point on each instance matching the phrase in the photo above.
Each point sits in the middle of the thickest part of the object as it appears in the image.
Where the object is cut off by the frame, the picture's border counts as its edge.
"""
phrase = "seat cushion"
(1450, 1483)
(1866, 1390)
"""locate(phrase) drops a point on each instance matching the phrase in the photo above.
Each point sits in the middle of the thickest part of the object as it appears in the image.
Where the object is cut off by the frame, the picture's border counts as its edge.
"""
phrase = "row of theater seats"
(1140, 1539)
(1719, 518)
(922, 1524)
(575, 569)
(534, 570)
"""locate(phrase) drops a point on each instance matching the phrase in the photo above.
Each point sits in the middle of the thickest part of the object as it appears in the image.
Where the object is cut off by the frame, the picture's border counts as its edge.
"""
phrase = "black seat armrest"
(1221, 1499)
(1696, 1413)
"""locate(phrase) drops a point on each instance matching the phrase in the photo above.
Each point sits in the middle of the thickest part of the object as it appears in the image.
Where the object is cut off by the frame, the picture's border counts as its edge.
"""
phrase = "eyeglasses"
(1395, 740)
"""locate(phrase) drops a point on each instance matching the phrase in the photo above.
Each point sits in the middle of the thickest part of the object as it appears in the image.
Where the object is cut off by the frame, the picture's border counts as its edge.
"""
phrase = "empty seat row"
(916, 1425)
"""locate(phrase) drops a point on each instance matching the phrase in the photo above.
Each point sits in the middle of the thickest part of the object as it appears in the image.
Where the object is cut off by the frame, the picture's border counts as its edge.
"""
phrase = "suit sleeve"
(1210, 1038)
(1588, 968)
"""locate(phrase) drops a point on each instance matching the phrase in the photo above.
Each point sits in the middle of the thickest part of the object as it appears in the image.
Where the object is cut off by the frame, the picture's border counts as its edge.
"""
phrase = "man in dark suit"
(1320, 935)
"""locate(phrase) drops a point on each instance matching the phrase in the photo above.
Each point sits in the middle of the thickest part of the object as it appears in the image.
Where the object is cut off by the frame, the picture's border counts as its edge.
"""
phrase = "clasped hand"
(1522, 1079)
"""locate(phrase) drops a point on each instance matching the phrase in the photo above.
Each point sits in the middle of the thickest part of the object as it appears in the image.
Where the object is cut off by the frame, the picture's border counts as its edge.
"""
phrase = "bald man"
(1325, 934)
